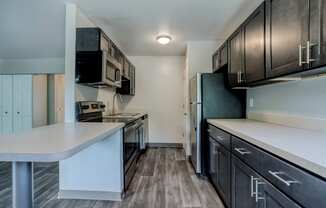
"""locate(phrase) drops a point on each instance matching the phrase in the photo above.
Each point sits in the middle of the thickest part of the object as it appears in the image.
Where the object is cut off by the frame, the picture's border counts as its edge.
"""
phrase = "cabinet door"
(286, 30)
(224, 55)
(242, 185)
(317, 33)
(6, 102)
(223, 173)
(254, 45)
(216, 61)
(235, 58)
(22, 102)
(273, 198)
(212, 161)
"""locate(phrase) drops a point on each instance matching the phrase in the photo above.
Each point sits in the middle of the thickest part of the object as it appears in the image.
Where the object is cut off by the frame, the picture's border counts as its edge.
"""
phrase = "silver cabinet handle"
(300, 55)
(252, 180)
(242, 151)
(220, 138)
(278, 177)
(309, 46)
(257, 197)
(239, 76)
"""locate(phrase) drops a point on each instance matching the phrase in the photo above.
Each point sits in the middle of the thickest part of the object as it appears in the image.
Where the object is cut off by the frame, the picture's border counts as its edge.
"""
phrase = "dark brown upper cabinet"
(223, 54)
(254, 45)
(216, 61)
(220, 57)
(317, 42)
(287, 35)
(235, 59)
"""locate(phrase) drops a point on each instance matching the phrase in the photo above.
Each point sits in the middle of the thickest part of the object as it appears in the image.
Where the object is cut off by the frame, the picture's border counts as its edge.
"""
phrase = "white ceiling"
(35, 28)
(136, 23)
(32, 29)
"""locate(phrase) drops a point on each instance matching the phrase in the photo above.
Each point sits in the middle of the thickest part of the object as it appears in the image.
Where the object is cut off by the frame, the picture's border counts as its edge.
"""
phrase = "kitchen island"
(88, 153)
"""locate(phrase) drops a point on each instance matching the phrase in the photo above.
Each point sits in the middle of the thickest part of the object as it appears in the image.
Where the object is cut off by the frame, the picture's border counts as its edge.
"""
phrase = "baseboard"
(90, 195)
(165, 145)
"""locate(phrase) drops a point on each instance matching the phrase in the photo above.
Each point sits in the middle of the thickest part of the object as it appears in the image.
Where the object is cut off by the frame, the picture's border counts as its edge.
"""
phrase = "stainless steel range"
(133, 132)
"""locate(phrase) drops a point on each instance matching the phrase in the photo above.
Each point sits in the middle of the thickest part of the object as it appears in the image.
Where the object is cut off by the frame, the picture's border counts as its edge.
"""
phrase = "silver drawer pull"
(220, 138)
(242, 151)
(276, 175)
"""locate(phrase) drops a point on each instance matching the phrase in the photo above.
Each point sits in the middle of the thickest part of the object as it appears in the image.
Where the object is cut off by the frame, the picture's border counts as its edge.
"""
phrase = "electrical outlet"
(251, 102)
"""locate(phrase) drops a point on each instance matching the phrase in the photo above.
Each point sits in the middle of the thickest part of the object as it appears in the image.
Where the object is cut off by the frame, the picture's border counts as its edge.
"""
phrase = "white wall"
(32, 66)
(199, 56)
(159, 91)
(300, 103)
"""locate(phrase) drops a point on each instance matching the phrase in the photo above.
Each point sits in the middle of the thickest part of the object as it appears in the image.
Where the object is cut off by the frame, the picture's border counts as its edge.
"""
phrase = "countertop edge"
(57, 156)
(299, 161)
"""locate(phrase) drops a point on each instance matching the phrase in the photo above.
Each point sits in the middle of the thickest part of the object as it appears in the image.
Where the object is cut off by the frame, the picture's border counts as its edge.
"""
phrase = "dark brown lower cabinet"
(242, 185)
(250, 190)
(219, 171)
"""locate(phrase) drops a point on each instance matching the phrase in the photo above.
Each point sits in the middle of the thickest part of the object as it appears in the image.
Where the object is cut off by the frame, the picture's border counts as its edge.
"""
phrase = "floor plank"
(164, 179)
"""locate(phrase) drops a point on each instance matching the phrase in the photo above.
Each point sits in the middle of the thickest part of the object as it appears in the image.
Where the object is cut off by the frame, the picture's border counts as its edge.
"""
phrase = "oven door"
(130, 145)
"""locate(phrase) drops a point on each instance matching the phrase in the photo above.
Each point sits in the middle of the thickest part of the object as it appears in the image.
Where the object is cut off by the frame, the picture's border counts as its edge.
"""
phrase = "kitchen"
(210, 104)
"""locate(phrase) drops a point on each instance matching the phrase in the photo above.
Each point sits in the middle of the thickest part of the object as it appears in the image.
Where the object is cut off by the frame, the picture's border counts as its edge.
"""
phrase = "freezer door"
(195, 116)
(195, 89)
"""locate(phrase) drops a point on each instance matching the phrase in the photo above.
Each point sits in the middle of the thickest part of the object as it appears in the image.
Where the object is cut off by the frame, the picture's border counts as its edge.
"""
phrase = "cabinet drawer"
(220, 136)
(246, 152)
(300, 185)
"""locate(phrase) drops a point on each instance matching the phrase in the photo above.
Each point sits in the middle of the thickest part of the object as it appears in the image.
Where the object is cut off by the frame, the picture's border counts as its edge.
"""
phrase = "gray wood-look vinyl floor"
(164, 179)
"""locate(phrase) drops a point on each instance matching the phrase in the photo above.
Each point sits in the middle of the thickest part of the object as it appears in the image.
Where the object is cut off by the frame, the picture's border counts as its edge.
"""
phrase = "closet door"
(6, 104)
(22, 102)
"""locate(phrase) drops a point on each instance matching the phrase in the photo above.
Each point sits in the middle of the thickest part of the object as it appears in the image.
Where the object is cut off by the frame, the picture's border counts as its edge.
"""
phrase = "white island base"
(95, 173)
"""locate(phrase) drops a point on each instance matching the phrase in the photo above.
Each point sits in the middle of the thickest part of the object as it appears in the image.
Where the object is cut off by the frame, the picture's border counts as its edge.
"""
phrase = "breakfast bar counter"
(60, 142)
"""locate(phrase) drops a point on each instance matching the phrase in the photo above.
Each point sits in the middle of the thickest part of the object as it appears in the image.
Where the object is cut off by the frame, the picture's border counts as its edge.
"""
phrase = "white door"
(22, 102)
(6, 103)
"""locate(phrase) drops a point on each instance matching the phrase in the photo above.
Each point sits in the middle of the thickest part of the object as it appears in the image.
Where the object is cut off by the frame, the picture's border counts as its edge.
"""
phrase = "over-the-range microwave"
(97, 69)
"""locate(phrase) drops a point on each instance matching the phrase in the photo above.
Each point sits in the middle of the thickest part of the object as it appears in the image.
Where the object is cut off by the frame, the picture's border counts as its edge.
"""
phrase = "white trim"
(90, 195)
(296, 121)
(70, 58)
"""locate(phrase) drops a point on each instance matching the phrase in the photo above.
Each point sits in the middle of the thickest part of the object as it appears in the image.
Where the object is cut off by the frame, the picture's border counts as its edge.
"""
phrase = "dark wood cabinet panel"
(223, 54)
(317, 33)
(242, 185)
(235, 58)
(216, 61)
(223, 173)
(212, 161)
(287, 29)
(220, 57)
(254, 45)
(219, 169)
(273, 198)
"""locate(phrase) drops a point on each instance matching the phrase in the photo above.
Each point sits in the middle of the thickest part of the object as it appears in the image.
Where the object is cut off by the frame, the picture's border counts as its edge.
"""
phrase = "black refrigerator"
(210, 98)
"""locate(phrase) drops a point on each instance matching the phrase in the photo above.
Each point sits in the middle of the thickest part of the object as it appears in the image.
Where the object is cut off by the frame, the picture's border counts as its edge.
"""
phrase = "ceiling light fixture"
(163, 39)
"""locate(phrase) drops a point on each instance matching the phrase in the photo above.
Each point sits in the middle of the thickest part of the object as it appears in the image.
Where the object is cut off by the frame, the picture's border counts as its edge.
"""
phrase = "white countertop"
(305, 148)
(54, 142)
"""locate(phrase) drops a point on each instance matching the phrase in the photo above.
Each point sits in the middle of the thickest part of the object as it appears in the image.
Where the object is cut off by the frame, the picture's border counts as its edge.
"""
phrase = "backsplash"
(298, 103)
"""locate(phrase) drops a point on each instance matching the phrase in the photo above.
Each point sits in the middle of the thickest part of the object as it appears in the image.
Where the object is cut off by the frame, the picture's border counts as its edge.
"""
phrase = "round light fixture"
(163, 39)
